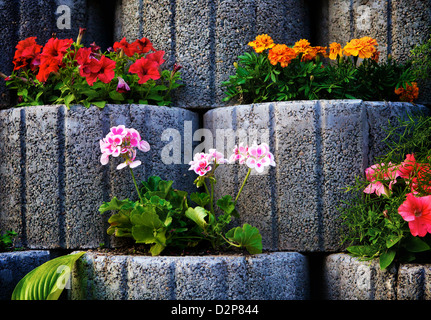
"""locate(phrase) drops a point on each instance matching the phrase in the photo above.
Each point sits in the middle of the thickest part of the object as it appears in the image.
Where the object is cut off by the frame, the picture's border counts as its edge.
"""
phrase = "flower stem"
(136, 186)
(243, 184)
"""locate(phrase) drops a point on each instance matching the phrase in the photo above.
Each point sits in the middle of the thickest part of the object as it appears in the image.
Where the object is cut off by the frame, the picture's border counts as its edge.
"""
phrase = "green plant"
(386, 215)
(47, 281)
(65, 72)
(6, 240)
(420, 57)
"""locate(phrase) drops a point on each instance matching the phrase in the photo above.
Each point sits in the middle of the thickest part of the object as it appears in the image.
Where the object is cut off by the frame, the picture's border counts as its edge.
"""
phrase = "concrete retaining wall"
(319, 148)
(52, 179)
(15, 265)
(347, 278)
(275, 276)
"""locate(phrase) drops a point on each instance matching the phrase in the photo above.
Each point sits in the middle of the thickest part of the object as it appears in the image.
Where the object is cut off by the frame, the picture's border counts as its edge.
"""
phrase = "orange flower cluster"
(307, 52)
(281, 53)
(409, 94)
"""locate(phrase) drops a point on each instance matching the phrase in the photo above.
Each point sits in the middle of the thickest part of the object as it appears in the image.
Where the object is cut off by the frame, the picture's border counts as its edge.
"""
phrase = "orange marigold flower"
(308, 52)
(281, 53)
(409, 94)
(364, 47)
(335, 50)
(262, 43)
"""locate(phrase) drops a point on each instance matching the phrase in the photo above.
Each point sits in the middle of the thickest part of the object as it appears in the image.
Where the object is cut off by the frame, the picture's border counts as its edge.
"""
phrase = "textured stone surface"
(54, 182)
(319, 148)
(15, 265)
(347, 278)
(206, 37)
(280, 275)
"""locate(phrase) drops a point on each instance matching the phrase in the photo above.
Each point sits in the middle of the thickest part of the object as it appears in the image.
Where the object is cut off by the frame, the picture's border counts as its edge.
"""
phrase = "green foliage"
(47, 281)
(165, 219)
(257, 80)
(6, 240)
(373, 228)
(421, 59)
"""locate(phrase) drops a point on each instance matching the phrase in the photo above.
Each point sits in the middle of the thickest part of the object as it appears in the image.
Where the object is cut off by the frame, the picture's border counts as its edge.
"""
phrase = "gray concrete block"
(54, 181)
(206, 37)
(347, 278)
(281, 275)
(319, 148)
(414, 282)
(44, 177)
(11, 175)
(15, 265)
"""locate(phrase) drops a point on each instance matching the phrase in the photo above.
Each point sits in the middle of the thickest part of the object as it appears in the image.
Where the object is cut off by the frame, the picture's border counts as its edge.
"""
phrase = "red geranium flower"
(56, 48)
(146, 69)
(143, 45)
(128, 48)
(102, 69)
(156, 56)
(27, 53)
(48, 66)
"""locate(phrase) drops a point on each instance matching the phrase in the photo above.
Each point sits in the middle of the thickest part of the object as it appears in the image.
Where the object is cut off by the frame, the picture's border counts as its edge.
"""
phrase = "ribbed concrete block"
(15, 265)
(319, 148)
(281, 275)
(348, 278)
(206, 37)
(11, 172)
(414, 282)
(54, 182)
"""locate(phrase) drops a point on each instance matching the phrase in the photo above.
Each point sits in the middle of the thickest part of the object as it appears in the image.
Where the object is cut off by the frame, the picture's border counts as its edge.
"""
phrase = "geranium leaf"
(247, 237)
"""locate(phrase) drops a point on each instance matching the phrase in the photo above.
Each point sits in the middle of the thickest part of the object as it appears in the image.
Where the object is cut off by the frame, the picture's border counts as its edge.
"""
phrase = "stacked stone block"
(275, 276)
(52, 179)
(319, 148)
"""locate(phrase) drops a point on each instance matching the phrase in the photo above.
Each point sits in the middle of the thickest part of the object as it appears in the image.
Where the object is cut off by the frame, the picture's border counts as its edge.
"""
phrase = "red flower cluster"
(28, 54)
(92, 68)
(146, 67)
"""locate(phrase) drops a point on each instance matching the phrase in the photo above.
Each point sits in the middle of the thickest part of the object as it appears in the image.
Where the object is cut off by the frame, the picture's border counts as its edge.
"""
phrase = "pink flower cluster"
(202, 162)
(122, 141)
(255, 157)
(416, 210)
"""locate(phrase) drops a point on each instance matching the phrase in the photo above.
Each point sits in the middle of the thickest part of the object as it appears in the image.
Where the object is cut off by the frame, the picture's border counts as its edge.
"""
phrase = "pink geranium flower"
(259, 157)
(417, 211)
(202, 162)
(122, 141)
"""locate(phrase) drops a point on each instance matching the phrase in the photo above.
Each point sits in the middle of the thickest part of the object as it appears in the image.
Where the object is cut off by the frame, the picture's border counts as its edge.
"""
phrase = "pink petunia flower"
(417, 211)
(379, 173)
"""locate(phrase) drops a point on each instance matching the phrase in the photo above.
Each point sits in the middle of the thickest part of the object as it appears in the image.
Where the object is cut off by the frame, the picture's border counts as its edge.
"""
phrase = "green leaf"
(47, 281)
(415, 244)
(99, 104)
(227, 205)
(146, 216)
(386, 258)
(117, 96)
(116, 205)
(248, 237)
(201, 198)
(68, 99)
(152, 183)
(198, 215)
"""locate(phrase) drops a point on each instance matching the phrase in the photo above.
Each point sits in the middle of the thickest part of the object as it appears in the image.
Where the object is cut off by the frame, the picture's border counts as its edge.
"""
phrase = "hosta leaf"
(47, 281)
(247, 237)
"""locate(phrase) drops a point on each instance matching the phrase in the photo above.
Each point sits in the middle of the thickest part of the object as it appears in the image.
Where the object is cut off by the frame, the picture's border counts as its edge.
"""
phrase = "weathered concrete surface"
(54, 182)
(15, 265)
(347, 278)
(319, 148)
(274, 276)
(206, 37)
